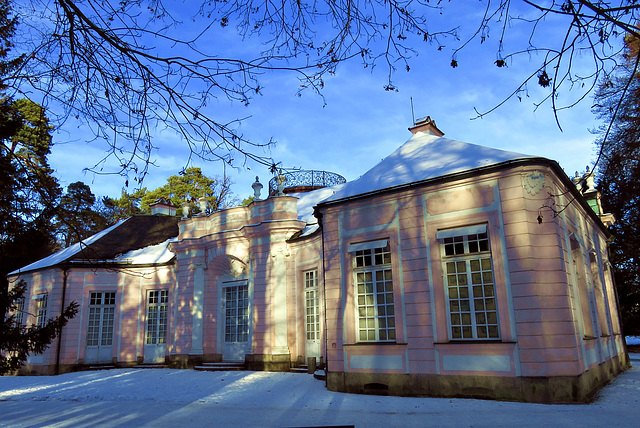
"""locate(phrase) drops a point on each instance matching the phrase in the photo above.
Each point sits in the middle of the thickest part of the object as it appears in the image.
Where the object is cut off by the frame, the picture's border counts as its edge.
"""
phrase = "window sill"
(472, 341)
(375, 344)
(475, 346)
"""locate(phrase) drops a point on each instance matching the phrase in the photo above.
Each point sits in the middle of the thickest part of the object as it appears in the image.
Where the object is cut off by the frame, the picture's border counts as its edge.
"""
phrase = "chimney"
(163, 206)
(428, 125)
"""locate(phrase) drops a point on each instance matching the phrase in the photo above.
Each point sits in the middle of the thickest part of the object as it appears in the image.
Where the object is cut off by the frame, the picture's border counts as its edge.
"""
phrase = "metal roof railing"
(307, 178)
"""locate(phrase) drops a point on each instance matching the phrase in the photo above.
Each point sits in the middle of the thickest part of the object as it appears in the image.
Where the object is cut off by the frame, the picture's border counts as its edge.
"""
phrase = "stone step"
(224, 364)
(151, 366)
(320, 375)
(299, 370)
(220, 367)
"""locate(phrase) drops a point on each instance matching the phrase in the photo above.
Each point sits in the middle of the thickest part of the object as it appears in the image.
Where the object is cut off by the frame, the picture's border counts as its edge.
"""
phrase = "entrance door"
(102, 309)
(235, 309)
(312, 314)
(155, 347)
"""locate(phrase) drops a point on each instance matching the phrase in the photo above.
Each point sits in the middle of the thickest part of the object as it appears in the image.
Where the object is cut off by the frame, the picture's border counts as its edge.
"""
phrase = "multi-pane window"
(20, 311)
(41, 309)
(157, 309)
(312, 305)
(467, 244)
(470, 287)
(102, 308)
(374, 295)
(599, 294)
(582, 284)
(236, 312)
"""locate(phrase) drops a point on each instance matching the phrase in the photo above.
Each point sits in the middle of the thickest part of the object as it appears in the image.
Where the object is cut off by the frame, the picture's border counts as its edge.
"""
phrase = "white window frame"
(311, 305)
(157, 317)
(469, 284)
(101, 334)
(41, 303)
(18, 320)
(583, 284)
(374, 292)
(237, 322)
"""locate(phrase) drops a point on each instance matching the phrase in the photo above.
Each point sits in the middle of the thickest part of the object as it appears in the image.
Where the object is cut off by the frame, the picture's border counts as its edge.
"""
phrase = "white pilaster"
(197, 310)
(280, 299)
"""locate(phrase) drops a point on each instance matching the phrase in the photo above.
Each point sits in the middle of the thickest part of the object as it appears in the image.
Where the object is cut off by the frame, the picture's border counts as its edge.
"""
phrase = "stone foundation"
(50, 369)
(558, 389)
(183, 361)
(268, 362)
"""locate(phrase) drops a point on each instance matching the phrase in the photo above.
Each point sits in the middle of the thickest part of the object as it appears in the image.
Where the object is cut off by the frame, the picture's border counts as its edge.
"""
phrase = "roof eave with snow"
(424, 157)
(65, 254)
(136, 241)
(443, 178)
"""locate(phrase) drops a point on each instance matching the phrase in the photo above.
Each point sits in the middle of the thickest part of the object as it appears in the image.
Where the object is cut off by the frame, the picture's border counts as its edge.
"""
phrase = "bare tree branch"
(130, 68)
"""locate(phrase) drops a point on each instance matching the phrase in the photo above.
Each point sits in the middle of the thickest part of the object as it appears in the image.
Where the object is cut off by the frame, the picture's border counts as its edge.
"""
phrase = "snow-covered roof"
(424, 156)
(136, 240)
(66, 253)
(152, 254)
(308, 200)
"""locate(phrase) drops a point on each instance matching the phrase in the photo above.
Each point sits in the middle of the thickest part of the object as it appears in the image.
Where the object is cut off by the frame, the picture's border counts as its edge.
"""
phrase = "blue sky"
(362, 123)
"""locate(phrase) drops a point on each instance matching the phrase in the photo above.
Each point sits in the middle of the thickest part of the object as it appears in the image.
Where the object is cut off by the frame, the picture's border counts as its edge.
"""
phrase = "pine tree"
(124, 207)
(28, 196)
(190, 185)
(78, 216)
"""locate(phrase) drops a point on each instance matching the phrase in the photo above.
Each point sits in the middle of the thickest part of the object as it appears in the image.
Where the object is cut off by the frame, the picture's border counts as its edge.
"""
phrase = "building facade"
(448, 269)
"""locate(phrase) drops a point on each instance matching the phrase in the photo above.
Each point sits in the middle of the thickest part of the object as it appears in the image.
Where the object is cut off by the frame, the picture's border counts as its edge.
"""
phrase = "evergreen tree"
(190, 185)
(78, 215)
(28, 195)
(619, 179)
(246, 201)
(17, 340)
(124, 207)
(29, 192)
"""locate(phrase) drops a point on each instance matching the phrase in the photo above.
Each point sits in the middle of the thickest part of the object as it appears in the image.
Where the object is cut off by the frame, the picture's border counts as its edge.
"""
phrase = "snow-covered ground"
(164, 397)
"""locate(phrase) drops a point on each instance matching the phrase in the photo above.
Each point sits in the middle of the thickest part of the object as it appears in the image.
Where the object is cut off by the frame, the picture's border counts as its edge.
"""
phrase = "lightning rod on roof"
(413, 117)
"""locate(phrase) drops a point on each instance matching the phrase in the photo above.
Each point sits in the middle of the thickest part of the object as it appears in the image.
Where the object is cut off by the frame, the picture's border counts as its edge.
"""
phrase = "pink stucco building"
(448, 269)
